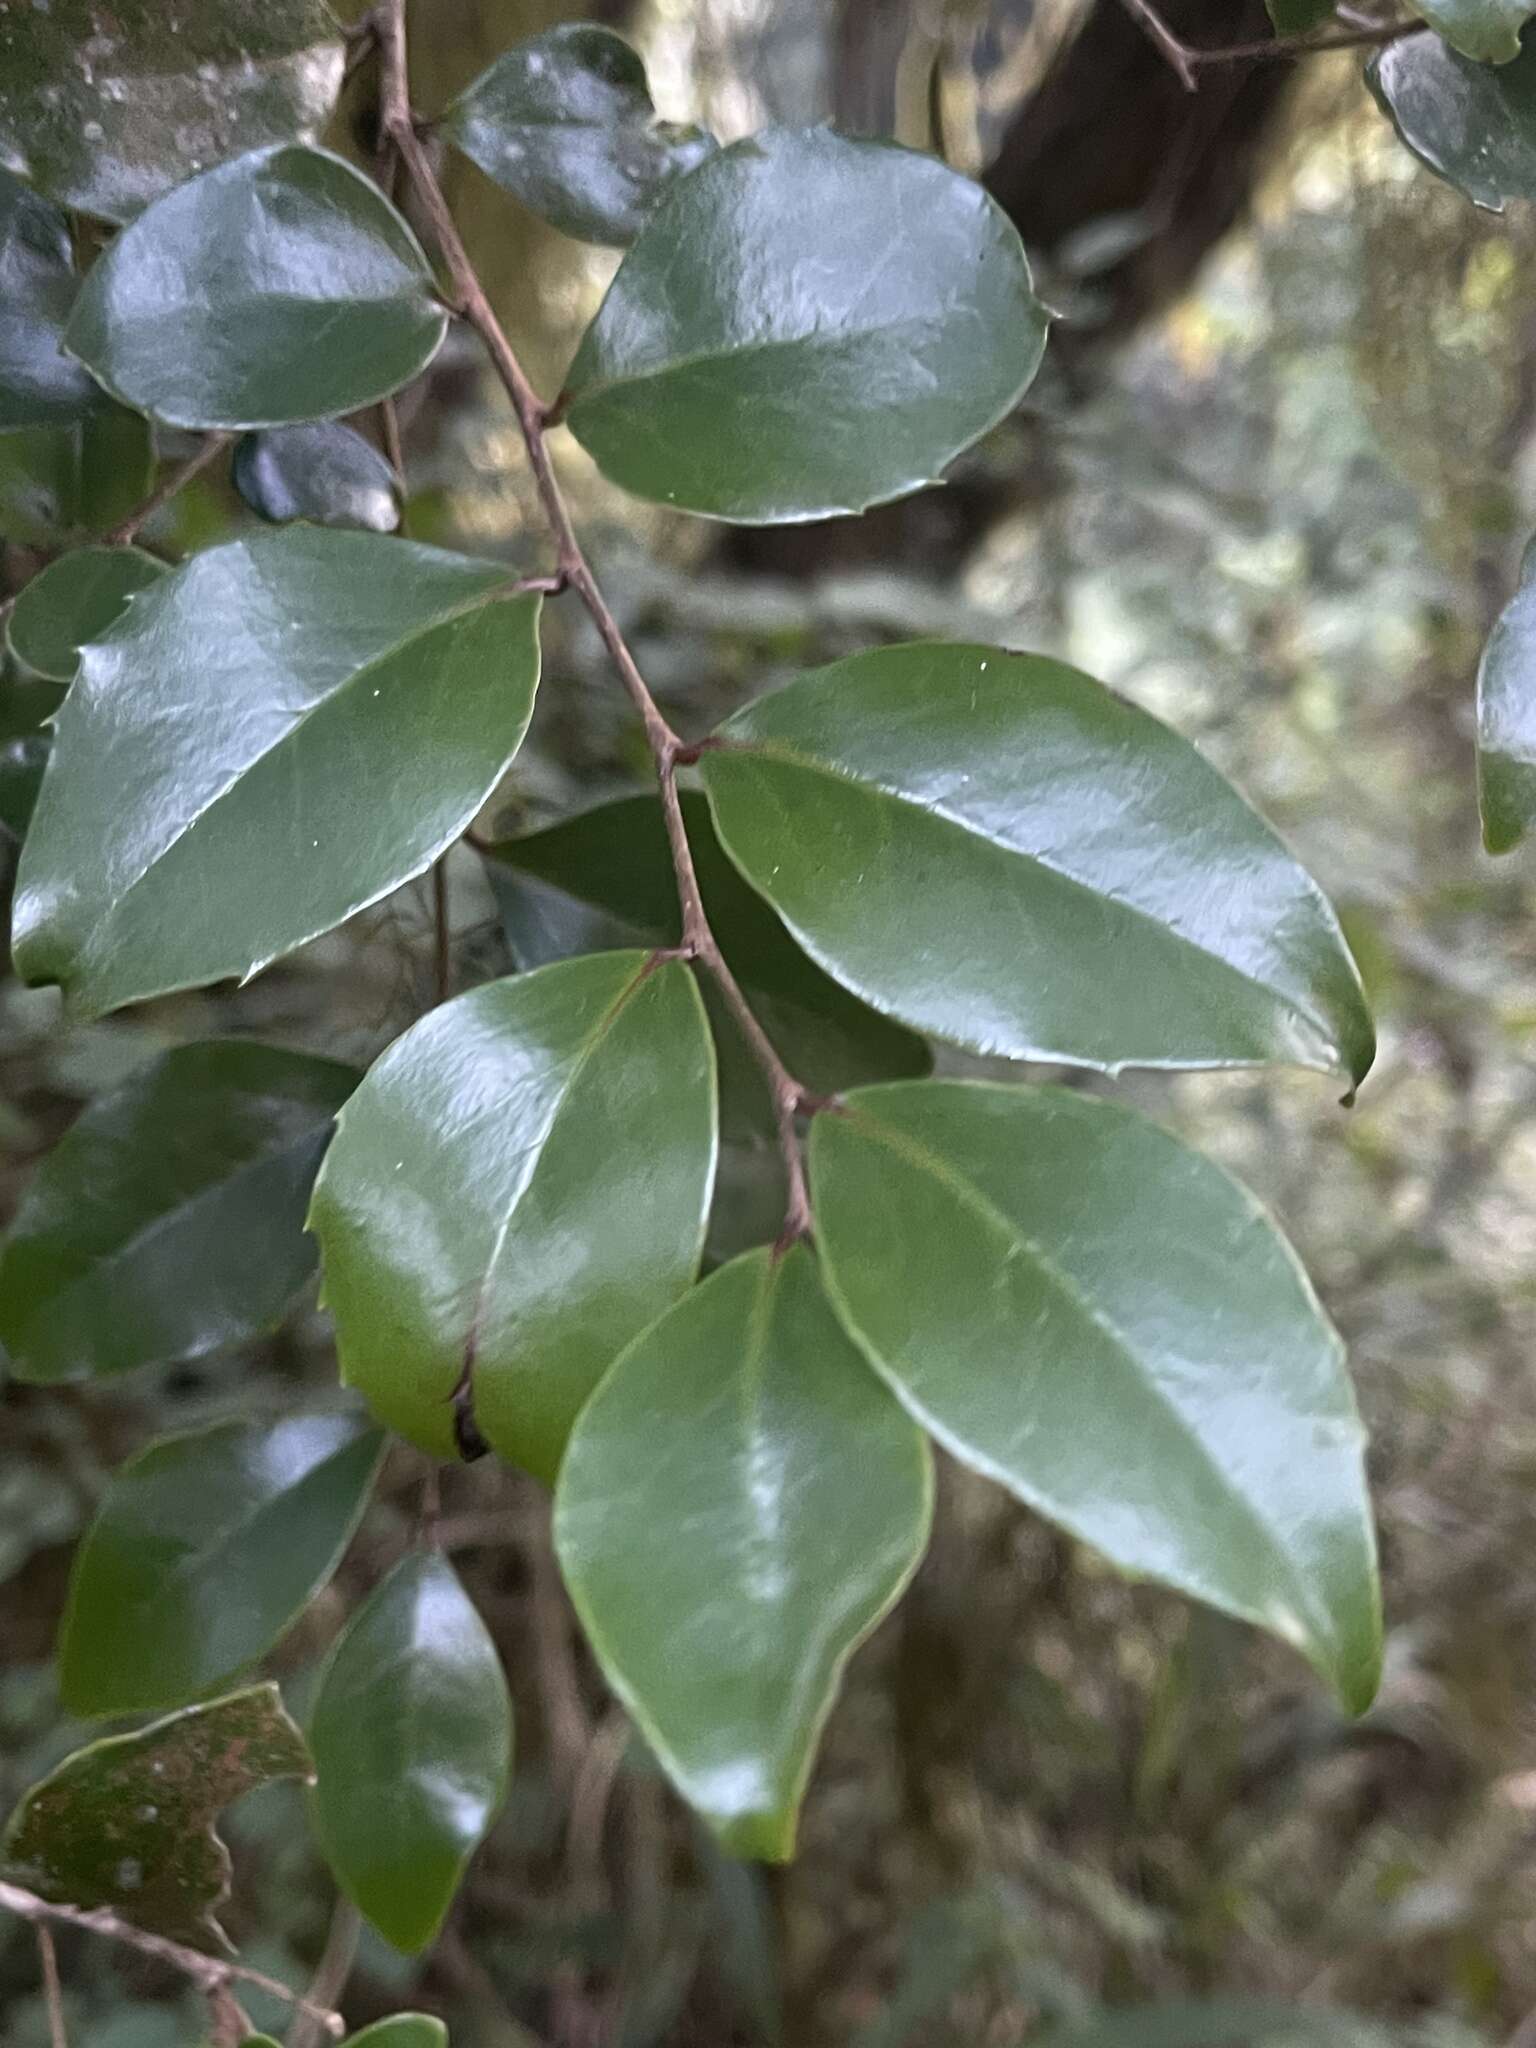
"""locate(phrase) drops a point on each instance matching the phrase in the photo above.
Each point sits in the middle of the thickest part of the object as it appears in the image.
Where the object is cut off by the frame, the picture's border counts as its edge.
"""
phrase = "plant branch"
(1187, 60)
(208, 1973)
(667, 751)
(331, 1973)
(53, 1990)
(126, 529)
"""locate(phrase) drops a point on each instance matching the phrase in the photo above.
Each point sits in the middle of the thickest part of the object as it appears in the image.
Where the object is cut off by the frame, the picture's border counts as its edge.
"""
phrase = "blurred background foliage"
(1274, 486)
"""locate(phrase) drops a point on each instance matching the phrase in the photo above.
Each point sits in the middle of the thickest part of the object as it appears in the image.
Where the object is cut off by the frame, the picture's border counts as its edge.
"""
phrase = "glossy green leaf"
(1472, 124)
(606, 878)
(22, 762)
(740, 1504)
(1298, 17)
(806, 325)
(105, 108)
(282, 731)
(412, 1735)
(75, 599)
(516, 1190)
(1487, 31)
(1079, 1306)
(39, 384)
(996, 849)
(324, 472)
(204, 1549)
(1506, 719)
(60, 481)
(565, 122)
(128, 1823)
(280, 287)
(167, 1222)
(402, 2030)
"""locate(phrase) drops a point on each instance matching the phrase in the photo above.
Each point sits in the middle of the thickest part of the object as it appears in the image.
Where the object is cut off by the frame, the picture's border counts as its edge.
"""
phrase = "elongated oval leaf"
(516, 1190)
(1506, 719)
(740, 1504)
(105, 108)
(1487, 31)
(39, 384)
(323, 471)
(75, 599)
(1082, 1308)
(168, 1221)
(280, 287)
(994, 848)
(806, 325)
(412, 1738)
(282, 731)
(128, 1823)
(203, 1551)
(402, 2030)
(565, 122)
(1473, 124)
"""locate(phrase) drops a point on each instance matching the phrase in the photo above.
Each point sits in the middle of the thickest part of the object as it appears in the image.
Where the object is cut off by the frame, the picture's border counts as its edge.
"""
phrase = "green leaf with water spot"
(1473, 124)
(75, 599)
(740, 1503)
(994, 848)
(103, 109)
(280, 287)
(22, 761)
(282, 730)
(1506, 719)
(128, 1823)
(412, 1736)
(806, 325)
(39, 384)
(205, 1548)
(168, 1222)
(516, 1190)
(1085, 1310)
(564, 121)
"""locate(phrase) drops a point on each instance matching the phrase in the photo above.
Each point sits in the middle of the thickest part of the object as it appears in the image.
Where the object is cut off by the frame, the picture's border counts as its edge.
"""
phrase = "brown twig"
(53, 1990)
(789, 1097)
(1186, 60)
(208, 1973)
(126, 529)
(442, 932)
(331, 1973)
(566, 1726)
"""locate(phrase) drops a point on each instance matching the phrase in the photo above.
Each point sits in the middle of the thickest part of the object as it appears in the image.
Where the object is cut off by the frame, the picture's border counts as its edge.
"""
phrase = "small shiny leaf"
(282, 731)
(203, 1551)
(606, 878)
(39, 384)
(167, 1222)
(280, 287)
(75, 599)
(324, 472)
(806, 325)
(1487, 31)
(518, 1187)
(1506, 719)
(741, 1502)
(1080, 1307)
(22, 762)
(412, 1735)
(996, 849)
(1473, 124)
(106, 108)
(564, 121)
(128, 1823)
(402, 2030)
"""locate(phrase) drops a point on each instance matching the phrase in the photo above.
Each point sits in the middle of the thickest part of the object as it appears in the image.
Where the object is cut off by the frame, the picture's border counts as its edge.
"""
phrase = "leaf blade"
(1472, 124)
(75, 599)
(39, 384)
(1506, 719)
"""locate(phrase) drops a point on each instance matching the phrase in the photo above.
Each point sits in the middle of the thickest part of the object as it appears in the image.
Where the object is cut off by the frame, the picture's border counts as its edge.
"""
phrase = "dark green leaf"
(39, 384)
(806, 325)
(613, 873)
(1085, 1310)
(22, 762)
(73, 600)
(1506, 719)
(168, 1221)
(106, 108)
(280, 287)
(740, 1504)
(282, 731)
(128, 1823)
(1487, 31)
(516, 1190)
(412, 1735)
(58, 481)
(994, 848)
(402, 2030)
(565, 122)
(324, 471)
(1471, 123)
(1220, 2023)
(204, 1550)
(1297, 17)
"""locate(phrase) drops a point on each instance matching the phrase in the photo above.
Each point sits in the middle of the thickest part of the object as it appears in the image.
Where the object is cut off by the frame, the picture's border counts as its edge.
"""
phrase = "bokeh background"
(1274, 485)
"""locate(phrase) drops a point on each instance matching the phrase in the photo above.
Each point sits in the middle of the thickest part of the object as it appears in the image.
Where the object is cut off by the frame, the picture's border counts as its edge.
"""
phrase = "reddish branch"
(1186, 60)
